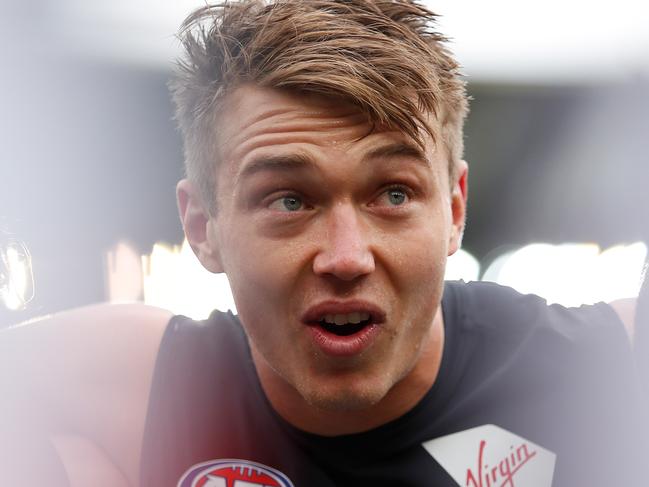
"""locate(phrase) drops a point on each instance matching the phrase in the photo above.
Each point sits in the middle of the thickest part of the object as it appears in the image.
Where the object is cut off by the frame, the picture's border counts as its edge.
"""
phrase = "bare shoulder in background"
(79, 384)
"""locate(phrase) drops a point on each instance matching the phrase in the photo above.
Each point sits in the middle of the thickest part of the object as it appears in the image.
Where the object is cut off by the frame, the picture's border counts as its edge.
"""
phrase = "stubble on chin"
(343, 399)
(333, 394)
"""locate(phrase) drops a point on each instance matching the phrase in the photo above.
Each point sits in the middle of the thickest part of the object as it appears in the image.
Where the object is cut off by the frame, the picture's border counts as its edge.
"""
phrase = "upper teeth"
(348, 318)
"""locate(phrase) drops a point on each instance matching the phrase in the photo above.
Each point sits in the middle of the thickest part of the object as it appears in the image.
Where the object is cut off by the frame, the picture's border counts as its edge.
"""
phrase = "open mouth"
(344, 328)
(345, 325)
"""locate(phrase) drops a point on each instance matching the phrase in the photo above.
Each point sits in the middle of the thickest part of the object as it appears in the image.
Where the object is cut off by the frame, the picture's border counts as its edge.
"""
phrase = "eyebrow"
(399, 149)
(291, 162)
(287, 162)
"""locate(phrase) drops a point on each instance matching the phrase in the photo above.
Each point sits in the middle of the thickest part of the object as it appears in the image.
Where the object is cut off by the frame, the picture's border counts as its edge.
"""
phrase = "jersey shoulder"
(489, 307)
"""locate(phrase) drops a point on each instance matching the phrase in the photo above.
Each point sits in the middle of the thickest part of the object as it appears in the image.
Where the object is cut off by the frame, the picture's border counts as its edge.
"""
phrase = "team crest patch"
(233, 473)
(489, 456)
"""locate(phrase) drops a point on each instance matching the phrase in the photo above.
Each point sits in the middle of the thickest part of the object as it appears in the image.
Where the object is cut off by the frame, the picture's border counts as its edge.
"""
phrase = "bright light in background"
(175, 280)
(16, 279)
(572, 274)
(139, 31)
(462, 266)
(568, 274)
(124, 274)
(576, 40)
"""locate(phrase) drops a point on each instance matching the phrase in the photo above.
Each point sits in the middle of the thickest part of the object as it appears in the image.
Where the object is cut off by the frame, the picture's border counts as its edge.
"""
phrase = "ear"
(459, 191)
(197, 224)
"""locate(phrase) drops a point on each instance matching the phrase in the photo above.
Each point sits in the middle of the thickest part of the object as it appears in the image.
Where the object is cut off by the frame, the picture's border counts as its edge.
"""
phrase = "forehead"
(258, 122)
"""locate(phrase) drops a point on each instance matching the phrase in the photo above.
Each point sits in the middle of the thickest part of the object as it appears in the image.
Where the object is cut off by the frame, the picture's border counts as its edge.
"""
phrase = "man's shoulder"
(498, 311)
(490, 295)
(220, 329)
(94, 335)
(99, 344)
(85, 371)
(93, 319)
(482, 305)
(204, 349)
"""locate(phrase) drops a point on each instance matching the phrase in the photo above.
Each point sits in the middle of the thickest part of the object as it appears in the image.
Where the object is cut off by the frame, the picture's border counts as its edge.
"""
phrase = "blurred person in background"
(323, 148)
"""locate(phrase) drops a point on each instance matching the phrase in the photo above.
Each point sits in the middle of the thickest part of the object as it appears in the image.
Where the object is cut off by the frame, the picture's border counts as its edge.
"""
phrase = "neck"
(400, 399)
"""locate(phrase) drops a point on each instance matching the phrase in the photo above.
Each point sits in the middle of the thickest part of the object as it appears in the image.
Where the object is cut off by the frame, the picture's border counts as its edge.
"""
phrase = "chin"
(345, 399)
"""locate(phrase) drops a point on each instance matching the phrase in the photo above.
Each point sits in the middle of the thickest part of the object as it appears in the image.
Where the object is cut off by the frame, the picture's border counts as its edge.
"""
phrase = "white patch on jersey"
(489, 456)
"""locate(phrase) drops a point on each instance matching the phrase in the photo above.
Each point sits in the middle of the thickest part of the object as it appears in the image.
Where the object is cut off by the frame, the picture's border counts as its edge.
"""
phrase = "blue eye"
(397, 196)
(394, 196)
(287, 203)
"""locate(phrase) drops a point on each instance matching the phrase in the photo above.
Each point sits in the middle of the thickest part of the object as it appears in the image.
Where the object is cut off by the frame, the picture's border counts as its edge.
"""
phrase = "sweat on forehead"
(383, 57)
(289, 130)
(251, 106)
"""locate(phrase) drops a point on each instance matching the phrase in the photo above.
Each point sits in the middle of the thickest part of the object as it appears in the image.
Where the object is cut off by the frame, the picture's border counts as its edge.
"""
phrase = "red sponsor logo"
(233, 473)
(501, 474)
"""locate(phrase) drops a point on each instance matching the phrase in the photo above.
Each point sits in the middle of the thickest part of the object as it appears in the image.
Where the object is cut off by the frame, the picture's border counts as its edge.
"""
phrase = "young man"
(323, 144)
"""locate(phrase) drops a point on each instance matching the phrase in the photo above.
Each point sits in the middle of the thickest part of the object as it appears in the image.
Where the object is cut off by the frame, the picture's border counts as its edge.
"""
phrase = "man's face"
(334, 238)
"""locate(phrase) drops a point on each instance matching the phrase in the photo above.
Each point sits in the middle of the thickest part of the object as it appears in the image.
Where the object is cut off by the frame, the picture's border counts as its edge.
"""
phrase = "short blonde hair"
(381, 55)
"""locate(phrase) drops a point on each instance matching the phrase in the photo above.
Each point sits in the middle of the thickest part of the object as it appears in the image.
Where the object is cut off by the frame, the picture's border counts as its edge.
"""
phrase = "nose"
(344, 251)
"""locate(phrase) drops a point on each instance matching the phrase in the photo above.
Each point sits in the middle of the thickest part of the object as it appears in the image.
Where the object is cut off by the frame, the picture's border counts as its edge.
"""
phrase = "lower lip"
(344, 346)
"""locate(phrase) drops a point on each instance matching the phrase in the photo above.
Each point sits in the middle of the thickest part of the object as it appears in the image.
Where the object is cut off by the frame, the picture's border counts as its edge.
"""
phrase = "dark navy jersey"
(528, 395)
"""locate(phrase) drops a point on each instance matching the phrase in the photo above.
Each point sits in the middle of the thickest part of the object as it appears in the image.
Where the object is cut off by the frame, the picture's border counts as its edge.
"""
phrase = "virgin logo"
(489, 456)
(501, 474)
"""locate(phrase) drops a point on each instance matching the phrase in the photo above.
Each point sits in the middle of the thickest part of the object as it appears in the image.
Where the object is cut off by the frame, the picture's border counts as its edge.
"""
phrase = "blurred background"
(557, 141)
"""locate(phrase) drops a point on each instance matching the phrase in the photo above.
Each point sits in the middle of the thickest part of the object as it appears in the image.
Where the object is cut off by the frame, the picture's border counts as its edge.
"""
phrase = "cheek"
(270, 270)
(419, 270)
(420, 255)
(263, 276)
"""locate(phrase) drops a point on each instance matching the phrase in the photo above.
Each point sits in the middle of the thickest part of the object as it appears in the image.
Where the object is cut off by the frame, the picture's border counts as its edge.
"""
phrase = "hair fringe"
(382, 56)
